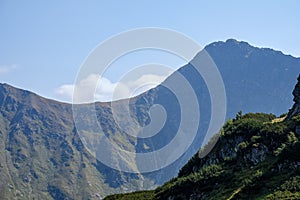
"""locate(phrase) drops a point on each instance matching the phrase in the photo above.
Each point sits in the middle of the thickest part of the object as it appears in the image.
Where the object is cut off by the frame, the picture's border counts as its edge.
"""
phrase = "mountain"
(42, 154)
(254, 77)
(255, 80)
(256, 157)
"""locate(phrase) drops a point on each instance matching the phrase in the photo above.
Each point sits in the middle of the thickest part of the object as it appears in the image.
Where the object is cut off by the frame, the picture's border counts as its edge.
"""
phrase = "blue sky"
(43, 43)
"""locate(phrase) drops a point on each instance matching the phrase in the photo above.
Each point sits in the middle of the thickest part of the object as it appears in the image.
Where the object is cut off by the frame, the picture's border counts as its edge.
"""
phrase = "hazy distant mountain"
(41, 155)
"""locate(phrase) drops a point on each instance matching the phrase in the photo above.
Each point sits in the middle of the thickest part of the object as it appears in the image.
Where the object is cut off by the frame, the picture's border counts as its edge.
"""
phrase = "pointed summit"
(232, 41)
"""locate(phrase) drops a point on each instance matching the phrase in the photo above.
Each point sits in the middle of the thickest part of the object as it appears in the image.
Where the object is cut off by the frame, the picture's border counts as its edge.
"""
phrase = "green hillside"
(253, 159)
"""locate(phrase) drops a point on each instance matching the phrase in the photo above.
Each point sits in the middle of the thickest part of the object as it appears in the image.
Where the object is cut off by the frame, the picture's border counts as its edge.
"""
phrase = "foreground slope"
(256, 157)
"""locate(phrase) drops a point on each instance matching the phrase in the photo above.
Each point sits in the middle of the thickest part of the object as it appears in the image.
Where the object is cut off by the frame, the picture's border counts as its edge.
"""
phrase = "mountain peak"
(232, 41)
(241, 47)
(238, 43)
(229, 42)
(236, 47)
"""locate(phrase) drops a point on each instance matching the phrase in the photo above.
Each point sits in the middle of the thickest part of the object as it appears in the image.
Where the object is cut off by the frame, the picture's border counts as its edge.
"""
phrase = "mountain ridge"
(249, 46)
(213, 44)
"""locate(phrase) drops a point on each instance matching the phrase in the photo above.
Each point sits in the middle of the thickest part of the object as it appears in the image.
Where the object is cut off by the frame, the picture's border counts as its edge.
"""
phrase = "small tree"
(239, 115)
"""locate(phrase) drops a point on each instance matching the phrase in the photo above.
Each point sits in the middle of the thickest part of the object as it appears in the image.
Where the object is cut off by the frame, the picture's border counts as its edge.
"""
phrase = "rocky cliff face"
(296, 107)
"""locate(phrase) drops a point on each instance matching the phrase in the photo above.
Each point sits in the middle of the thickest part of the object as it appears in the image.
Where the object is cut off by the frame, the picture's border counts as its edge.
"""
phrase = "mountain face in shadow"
(255, 80)
(42, 156)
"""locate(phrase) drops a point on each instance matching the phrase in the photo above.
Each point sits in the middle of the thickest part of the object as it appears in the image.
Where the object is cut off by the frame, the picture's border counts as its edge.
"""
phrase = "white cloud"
(107, 90)
(7, 68)
(65, 92)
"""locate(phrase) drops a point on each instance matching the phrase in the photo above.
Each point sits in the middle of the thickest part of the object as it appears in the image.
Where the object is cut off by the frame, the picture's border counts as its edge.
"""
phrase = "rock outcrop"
(296, 107)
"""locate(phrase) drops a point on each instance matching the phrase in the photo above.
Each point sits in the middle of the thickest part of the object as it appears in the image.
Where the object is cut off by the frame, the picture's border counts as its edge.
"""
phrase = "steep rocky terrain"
(296, 107)
(256, 157)
(42, 157)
